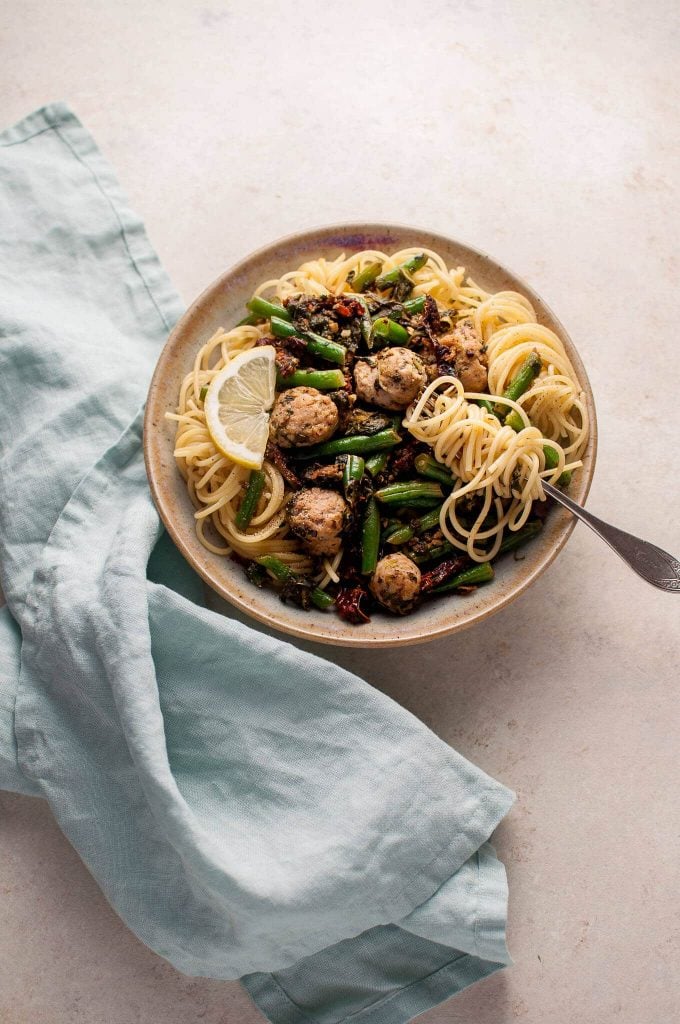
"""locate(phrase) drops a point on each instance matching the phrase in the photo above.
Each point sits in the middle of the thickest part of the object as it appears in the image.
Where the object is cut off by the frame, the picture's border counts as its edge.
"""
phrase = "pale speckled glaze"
(221, 305)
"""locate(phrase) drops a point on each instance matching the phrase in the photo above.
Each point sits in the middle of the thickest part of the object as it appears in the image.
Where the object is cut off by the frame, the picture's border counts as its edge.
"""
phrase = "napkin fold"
(250, 810)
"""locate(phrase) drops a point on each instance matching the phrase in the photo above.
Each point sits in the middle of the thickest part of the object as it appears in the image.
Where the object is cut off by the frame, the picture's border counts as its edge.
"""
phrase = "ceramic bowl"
(222, 305)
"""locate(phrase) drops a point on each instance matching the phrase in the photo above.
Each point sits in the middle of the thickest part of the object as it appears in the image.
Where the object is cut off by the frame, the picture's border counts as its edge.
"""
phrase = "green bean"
(370, 538)
(485, 405)
(282, 328)
(376, 463)
(521, 382)
(440, 551)
(551, 457)
(392, 277)
(331, 351)
(391, 527)
(352, 474)
(476, 574)
(408, 491)
(551, 461)
(514, 420)
(365, 278)
(248, 321)
(406, 513)
(322, 380)
(321, 599)
(284, 574)
(250, 499)
(279, 570)
(421, 525)
(390, 330)
(398, 535)
(511, 541)
(407, 506)
(416, 305)
(428, 467)
(359, 444)
(366, 323)
(262, 308)
(367, 330)
(203, 392)
(428, 521)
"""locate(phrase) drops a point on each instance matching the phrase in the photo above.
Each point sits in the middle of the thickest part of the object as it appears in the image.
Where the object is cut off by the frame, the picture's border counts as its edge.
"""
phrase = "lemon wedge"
(238, 403)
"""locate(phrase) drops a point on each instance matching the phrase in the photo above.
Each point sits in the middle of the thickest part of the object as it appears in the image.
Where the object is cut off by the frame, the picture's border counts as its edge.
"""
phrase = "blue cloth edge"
(396, 1007)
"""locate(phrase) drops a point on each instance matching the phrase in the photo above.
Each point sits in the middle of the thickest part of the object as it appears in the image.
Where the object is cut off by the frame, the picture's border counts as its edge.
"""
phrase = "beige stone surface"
(548, 135)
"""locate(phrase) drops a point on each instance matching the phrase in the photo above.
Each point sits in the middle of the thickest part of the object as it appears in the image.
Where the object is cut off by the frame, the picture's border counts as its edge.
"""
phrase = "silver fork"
(647, 560)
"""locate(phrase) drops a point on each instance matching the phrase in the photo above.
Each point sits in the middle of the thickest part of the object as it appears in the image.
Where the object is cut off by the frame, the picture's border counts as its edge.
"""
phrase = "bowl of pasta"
(347, 435)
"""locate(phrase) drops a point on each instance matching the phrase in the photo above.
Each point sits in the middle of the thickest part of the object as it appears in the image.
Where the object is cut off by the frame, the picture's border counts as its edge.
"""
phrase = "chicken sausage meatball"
(301, 417)
(392, 379)
(469, 357)
(317, 517)
(396, 583)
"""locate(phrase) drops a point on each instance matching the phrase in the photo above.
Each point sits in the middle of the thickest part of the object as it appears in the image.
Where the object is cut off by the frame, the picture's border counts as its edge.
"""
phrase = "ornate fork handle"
(647, 560)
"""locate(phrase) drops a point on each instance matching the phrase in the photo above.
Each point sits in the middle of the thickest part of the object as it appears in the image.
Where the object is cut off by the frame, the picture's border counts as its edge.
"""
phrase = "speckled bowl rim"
(225, 577)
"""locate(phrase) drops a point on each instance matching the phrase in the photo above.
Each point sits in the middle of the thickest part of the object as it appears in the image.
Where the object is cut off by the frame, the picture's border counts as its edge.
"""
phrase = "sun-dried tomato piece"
(286, 364)
(278, 459)
(402, 463)
(348, 604)
(442, 572)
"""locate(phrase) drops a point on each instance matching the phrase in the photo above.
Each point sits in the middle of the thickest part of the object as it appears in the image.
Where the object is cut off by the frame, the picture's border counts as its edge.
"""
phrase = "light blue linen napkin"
(249, 810)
